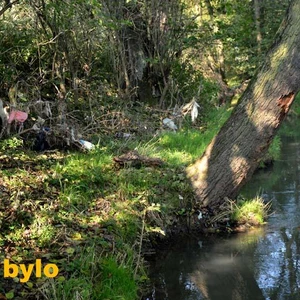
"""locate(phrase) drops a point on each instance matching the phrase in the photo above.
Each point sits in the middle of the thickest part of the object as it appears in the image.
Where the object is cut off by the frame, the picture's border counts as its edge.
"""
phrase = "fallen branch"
(135, 160)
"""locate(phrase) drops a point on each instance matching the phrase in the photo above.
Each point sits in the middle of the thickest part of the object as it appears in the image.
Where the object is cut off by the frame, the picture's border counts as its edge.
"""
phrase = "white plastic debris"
(87, 145)
(47, 109)
(194, 111)
(200, 216)
(35, 127)
(169, 123)
(193, 108)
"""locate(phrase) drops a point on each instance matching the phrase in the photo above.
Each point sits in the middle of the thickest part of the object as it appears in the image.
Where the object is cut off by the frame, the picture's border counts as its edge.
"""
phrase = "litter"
(17, 115)
(87, 145)
(169, 123)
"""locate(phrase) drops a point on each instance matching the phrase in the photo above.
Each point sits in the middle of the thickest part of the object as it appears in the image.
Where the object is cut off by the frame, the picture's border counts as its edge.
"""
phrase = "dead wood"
(135, 160)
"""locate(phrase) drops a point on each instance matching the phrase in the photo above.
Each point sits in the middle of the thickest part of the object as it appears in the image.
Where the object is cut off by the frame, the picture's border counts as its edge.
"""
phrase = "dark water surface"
(261, 264)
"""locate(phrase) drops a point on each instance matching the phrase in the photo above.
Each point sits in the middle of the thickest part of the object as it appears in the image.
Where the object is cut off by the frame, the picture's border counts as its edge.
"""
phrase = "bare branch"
(7, 6)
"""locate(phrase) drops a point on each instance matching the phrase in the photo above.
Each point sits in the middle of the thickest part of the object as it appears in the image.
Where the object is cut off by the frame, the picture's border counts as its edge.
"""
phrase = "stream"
(261, 264)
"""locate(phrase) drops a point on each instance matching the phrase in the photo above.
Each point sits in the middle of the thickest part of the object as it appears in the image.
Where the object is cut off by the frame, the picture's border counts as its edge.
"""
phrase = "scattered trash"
(170, 123)
(17, 115)
(200, 216)
(41, 143)
(192, 107)
(38, 125)
(87, 145)
(4, 115)
(194, 111)
(47, 109)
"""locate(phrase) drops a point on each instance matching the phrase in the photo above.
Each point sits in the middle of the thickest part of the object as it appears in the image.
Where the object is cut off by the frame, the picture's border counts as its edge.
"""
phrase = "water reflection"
(209, 269)
(263, 264)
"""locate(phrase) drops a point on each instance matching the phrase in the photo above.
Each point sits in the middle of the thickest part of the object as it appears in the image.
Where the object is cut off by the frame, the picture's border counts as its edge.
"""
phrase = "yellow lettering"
(12, 270)
(38, 268)
(54, 270)
(8, 267)
(26, 273)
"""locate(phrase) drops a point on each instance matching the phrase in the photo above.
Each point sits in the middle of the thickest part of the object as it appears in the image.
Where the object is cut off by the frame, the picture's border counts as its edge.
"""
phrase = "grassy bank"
(250, 212)
(91, 218)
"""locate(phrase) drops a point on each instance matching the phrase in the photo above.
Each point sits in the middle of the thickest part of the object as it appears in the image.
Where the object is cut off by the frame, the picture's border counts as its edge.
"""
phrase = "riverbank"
(253, 265)
(94, 219)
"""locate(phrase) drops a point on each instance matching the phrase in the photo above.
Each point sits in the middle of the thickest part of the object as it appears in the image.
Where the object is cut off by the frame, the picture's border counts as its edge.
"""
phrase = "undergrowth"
(83, 213)
(252, 212)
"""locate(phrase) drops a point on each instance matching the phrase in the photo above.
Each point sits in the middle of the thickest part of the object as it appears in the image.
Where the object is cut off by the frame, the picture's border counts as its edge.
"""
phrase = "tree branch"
(7, 6)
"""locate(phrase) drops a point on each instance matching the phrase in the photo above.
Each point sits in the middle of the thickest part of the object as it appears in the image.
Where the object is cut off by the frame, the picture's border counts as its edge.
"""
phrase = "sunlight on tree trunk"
(234, 154)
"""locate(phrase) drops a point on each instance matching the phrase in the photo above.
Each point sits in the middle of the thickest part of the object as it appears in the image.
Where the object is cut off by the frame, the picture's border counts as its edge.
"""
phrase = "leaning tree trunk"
(234, 154)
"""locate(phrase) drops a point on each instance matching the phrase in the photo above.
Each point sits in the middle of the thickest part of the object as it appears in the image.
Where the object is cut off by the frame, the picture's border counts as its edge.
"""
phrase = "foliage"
(61, 203)
(11, 143)
(174, 148)
(273, 152)
(93, 277)
(208, 45)
(252, 212)
(119, 282)
(100, 68)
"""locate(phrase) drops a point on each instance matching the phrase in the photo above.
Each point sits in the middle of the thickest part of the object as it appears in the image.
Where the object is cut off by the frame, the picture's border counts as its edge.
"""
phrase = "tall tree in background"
(6, 4)
(234, 154)
(256, 4)
(77, 53)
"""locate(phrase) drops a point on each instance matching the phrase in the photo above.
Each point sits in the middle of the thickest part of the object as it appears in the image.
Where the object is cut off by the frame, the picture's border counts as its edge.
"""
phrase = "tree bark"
(234, 154)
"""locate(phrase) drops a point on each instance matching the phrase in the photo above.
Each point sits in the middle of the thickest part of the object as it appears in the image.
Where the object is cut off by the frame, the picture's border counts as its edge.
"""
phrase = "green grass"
(273, 152)
(59, 204)
(186, 145)
(119, 282)
(252, 211)
(94, 277)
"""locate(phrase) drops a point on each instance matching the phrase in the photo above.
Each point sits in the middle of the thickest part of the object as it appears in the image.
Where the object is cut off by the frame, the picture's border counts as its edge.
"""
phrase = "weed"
(11, 143)
(56, 204)
(94, 277)
(252, 212)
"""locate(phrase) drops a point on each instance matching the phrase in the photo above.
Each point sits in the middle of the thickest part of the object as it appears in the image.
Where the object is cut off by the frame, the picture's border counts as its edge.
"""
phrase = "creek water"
(261, 264)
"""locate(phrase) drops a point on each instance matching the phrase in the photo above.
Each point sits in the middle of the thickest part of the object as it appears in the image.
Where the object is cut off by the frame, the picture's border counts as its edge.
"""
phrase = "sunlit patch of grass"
(186, 145)
(183, 147)
(70, 200)
(117, 281)
(252, 212)
(42, 231)
(11, 143)
(94, 276)
(75, 195)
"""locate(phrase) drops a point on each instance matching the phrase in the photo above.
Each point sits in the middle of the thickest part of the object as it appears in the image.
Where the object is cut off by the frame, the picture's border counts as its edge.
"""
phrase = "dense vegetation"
(98, 70)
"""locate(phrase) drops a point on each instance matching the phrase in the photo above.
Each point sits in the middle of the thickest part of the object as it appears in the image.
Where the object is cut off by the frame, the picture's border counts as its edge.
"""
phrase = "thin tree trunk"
(233, 155)
(215, 59)
(7, 5)
(210, 9)
(257, 25)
